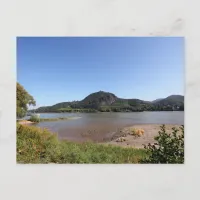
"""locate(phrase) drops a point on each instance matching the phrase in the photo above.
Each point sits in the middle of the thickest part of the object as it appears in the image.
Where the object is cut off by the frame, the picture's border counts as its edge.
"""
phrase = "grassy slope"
(35, 145)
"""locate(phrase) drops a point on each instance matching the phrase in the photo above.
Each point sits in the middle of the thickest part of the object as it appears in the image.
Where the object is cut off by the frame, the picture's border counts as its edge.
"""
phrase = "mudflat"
(150, 131)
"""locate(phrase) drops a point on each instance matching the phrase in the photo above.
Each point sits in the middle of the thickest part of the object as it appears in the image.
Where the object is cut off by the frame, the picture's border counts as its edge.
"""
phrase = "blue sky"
(59, 69)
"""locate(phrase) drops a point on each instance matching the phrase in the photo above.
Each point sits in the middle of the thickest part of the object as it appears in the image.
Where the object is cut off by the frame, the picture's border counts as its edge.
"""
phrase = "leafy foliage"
(23, 99)
(36, 145)
(168, 149)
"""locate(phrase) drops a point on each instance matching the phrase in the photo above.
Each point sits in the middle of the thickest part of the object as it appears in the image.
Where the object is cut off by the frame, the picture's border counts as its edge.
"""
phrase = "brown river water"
(99, 127)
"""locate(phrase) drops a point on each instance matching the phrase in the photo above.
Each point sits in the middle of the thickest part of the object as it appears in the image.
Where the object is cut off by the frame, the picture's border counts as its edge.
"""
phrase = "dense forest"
(108, 102)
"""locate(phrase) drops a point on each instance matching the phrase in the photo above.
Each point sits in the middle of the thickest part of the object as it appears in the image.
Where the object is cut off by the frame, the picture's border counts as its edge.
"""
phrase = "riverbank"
(36, 145)
(126, 138)
(104, 134)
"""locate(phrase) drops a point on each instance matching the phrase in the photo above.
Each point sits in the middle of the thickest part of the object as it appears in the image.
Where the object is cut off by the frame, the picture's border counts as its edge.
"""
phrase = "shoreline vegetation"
(37, 145)
(103, 110)
(34, 120)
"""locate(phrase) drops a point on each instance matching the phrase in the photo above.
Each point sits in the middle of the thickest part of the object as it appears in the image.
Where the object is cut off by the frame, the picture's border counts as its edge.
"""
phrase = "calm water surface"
(101, 126)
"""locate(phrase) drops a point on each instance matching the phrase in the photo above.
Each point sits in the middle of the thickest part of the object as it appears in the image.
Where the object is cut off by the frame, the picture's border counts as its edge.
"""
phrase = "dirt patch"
(150, 131)
(24, 122)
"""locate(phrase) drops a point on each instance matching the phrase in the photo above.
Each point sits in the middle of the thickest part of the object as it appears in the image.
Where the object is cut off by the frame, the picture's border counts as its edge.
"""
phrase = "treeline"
(77, 110)
(141, 108)
(113, 109)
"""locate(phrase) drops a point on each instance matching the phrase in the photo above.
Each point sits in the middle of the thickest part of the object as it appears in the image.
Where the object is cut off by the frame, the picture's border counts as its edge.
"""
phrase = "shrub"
(36, 145)
(34, 119)
(168, 149)
(136, 132)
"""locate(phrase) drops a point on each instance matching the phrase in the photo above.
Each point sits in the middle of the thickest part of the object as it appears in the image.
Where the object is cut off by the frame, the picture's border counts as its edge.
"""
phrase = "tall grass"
(34, 119)
(36, 145)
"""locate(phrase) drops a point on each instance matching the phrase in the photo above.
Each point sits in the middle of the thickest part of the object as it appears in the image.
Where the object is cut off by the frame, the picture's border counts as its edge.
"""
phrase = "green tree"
(23, 100)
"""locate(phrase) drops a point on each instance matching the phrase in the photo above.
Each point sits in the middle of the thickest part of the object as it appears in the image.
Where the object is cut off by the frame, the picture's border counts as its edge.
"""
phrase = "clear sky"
(59, 69)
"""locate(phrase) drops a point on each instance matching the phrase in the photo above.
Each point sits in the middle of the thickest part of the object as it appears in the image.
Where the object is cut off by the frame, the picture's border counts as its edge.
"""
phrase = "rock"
(121, 139)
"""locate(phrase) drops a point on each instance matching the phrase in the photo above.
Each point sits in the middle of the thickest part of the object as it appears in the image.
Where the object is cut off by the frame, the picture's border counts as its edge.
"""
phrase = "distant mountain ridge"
(173, 99)
(106, 101)
(156, 100)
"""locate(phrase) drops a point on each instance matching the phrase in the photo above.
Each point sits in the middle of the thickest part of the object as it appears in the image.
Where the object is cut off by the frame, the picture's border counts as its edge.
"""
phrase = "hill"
(156, 100)
(171, 100)
(106, 102)
(98, 99)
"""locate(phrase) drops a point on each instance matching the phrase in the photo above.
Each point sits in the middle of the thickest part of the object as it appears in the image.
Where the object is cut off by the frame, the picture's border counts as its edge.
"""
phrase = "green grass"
(35, 145)
(35, 119)
(54, 119)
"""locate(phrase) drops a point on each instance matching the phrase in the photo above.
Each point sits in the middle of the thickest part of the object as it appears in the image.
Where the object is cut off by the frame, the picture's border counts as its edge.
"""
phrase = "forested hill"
(106, 102)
